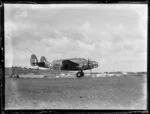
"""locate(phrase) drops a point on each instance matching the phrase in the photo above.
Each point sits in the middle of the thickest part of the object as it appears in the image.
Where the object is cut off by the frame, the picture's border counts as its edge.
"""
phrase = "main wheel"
(80, 74)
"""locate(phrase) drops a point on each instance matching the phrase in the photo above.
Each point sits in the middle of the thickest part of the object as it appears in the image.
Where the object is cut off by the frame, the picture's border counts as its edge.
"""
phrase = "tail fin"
(33, 60)
(45, 63)
(43, 59)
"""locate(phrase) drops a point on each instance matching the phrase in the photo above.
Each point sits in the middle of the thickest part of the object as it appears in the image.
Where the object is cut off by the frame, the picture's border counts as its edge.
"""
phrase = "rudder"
(33, 60)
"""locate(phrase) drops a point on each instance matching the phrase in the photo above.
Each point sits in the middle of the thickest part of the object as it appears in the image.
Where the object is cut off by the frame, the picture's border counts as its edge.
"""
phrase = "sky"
(114, 35)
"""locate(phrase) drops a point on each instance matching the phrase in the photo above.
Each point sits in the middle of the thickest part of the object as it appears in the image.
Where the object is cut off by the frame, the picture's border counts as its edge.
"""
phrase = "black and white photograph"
(76, 56)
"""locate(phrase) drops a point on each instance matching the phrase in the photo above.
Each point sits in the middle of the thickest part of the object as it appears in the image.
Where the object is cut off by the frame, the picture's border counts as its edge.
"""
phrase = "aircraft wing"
(69, 65)
(69, 62)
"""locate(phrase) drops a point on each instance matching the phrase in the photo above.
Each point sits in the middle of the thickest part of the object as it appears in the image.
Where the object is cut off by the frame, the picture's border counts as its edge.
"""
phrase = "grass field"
(124, 92)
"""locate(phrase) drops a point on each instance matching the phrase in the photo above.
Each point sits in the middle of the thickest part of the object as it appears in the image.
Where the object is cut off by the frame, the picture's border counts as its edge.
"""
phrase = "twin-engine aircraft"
(72, 64)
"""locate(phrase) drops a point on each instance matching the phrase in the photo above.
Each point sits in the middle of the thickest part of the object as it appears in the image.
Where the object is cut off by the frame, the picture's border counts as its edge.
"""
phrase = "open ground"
(124, 92)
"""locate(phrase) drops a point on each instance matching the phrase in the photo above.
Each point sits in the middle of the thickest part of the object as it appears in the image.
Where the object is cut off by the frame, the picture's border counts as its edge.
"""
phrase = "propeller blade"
(88, 62)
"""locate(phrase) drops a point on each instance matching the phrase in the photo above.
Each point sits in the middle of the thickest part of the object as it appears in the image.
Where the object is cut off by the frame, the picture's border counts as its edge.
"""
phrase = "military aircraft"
(72, 64)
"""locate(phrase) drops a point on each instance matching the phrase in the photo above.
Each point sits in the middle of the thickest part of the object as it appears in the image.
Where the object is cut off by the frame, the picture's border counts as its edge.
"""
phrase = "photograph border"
(2, 65)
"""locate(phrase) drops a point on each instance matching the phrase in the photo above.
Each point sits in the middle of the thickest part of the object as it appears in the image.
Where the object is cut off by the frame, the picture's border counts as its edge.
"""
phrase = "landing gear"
(80, 74)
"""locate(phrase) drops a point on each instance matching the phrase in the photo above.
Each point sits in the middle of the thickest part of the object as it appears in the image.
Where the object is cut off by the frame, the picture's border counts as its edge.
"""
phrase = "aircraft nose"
(95, 64)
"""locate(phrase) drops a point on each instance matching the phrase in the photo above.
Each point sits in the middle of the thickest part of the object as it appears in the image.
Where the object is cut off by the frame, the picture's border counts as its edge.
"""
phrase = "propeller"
(89, 64)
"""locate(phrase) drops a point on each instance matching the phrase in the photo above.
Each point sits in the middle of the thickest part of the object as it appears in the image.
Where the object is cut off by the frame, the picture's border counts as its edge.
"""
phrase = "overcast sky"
(114, 35)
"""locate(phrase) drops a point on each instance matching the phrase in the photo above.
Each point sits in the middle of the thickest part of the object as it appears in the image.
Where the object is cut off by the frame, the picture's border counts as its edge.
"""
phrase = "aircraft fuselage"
(72, 64)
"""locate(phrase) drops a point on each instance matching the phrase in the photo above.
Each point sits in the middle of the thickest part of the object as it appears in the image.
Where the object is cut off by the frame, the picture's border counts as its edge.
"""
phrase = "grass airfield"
(109, 92)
